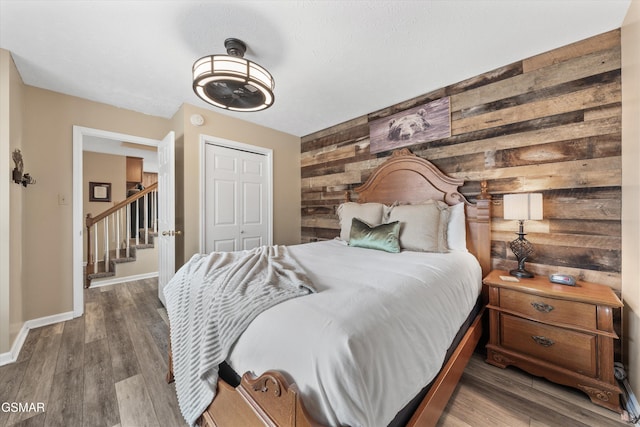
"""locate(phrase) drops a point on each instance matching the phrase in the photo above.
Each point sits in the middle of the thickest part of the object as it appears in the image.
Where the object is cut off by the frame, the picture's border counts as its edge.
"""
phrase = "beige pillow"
(371, 213)
(457, 229)
(423, 227)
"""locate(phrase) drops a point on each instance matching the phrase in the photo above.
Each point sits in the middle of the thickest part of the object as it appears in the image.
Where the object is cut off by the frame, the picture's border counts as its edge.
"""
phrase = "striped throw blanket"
(210, 301)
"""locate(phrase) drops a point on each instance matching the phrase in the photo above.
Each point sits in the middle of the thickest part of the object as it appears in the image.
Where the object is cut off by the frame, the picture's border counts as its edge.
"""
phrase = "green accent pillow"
(382, 237)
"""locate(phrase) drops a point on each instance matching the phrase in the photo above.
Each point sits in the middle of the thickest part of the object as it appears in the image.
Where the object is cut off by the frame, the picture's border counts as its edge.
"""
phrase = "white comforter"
(210, 302)
(375, 333)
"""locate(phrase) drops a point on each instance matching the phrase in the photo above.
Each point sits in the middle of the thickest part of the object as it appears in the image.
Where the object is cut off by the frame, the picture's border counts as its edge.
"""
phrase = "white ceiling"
(332, 60)
(149, 154)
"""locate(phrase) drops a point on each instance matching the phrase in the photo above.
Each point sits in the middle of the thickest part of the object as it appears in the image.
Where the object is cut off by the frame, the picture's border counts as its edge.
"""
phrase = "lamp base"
(521, 273)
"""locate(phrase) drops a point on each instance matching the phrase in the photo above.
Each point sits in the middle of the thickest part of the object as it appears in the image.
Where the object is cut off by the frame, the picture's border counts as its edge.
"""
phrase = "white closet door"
(236, 199)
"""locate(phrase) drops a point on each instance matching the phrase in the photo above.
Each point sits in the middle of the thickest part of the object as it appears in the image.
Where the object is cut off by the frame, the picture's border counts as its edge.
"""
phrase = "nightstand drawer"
(570, 349)
(549, 309)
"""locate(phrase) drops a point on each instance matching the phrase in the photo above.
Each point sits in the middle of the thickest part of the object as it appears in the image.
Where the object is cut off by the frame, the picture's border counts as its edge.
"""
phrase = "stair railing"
(117, 226)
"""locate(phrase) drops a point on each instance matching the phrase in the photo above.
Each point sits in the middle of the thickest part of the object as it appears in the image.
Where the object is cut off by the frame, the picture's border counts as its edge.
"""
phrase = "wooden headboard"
(407, 178)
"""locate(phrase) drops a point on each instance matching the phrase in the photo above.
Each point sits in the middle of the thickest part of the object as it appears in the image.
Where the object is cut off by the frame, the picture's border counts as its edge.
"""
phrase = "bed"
(368, 306)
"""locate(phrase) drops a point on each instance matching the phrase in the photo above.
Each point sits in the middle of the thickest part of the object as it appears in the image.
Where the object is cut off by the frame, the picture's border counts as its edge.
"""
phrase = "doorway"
(236, 195)
(80, 135)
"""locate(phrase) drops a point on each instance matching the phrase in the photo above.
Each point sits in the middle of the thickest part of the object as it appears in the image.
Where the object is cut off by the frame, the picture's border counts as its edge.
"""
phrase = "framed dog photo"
(99, 191)
(424, 123)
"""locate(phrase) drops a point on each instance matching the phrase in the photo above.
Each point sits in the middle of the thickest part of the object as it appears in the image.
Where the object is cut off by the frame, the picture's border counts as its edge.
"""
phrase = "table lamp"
(522, 207)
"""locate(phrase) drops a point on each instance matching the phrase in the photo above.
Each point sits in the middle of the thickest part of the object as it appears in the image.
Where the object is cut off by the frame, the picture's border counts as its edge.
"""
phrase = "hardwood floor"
(490, 396)
(107, 368)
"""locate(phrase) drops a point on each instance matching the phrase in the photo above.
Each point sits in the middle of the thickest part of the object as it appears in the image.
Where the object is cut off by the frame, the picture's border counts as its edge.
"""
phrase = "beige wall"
(100, 167)
(286, 174)
(631, 190)
(47, 145)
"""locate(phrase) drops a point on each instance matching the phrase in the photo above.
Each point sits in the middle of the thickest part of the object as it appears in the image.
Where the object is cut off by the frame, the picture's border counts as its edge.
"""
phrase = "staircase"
(118, 234)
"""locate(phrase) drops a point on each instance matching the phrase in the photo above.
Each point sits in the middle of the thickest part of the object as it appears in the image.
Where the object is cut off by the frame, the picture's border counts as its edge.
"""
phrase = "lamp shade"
(523, 206)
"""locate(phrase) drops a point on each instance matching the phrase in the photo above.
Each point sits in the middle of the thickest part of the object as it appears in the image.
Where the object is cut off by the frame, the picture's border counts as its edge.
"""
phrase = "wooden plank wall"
(549, 123)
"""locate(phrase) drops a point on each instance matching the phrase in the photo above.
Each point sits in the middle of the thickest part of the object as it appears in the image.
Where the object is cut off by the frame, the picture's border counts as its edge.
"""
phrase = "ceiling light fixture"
(232, 82)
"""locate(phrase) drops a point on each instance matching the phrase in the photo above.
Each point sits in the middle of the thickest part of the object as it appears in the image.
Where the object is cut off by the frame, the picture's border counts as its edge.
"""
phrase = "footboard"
(267, 400)
(270, 400)
(264, 401)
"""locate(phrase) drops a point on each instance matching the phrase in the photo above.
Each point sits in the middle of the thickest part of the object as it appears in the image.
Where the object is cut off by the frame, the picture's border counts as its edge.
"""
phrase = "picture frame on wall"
(99, 191)
(424, 123)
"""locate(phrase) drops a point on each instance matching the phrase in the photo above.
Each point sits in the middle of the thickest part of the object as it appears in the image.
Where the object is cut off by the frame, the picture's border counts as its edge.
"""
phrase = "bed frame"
(404, 177)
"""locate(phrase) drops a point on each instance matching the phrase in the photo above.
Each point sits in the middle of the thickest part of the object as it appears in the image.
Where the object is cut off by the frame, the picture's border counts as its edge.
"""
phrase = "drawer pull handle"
(542, 307)
(543, 341)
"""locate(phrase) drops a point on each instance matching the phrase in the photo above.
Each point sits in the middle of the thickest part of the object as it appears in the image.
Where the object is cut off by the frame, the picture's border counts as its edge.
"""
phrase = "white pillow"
(457, 229)
(371, 213)
(423, 227)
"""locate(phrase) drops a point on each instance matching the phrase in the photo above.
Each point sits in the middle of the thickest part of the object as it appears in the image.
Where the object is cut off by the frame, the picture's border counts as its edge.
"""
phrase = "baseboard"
(12, 356)
(116, 280)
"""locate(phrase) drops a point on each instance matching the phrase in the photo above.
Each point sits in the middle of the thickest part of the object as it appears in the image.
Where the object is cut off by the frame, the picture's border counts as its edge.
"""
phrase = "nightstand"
(562, 333)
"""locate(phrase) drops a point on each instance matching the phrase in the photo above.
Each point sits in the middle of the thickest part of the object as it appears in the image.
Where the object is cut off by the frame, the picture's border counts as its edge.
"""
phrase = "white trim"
(227, 143)
(12, 356)
(201, 153)
(79, 133)
(5, 196)
(96, 283)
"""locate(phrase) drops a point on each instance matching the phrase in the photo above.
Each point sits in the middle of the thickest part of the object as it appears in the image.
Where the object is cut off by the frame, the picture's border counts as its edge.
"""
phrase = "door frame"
(241, 146)
(79, 133)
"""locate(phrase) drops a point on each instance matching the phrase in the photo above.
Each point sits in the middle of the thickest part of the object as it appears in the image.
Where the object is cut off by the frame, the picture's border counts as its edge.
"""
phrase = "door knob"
(171, 233)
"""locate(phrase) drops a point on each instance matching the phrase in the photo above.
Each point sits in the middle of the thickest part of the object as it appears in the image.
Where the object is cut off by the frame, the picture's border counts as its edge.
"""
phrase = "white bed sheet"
(371, 338)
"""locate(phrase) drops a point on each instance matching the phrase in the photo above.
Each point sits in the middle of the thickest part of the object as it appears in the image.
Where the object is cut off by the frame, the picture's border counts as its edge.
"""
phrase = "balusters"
(128, 221)
(108, 226)
(154, 211)
(106, 244)
(137, 225)
(118, 234)
(95, 243)
(113, 231)
(146, 219)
